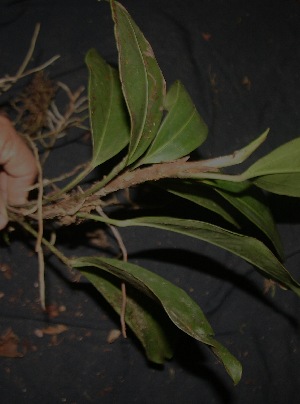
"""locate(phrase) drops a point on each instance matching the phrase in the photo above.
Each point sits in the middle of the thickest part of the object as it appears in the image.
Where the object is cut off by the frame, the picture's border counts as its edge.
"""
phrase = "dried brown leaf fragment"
(9, 343)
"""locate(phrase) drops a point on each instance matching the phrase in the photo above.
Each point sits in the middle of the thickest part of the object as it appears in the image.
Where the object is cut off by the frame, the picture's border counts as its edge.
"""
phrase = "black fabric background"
(254, 39)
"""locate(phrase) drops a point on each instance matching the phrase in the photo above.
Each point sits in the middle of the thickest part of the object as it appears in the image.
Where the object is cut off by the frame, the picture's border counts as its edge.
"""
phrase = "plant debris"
(51, 330)
(9, 343)
(6, 271)
(113, 335)
(34, 102)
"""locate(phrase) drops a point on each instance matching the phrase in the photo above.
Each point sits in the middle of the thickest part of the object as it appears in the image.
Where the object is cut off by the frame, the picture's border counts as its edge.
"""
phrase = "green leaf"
(200, 195)
(108, 114)
(248, 248)
(251, 203)
(142, 81)
(181, 309)
(147, 329)
(181, 131)
(278, 171)
(232, 187)
(284, 159)
(282, 184)
(207, 170)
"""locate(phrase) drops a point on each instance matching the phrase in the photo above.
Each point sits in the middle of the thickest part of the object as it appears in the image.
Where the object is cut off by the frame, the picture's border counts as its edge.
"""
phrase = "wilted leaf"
(181, 309)
(108, 115)
(142, 81)
(181, 131)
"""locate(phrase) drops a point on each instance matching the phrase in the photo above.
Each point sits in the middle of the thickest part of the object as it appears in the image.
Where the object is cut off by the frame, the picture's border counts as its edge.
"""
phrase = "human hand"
(17, 169)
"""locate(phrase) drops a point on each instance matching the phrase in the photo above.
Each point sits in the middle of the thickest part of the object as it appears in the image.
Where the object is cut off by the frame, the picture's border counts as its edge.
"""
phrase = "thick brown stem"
(70, 204)
(176, 169)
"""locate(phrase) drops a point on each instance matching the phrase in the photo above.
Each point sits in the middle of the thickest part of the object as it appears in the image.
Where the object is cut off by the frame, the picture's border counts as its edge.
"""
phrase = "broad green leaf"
(282, 184)
(181, 309)
(142, 81)
(248, 248)
(252, 205)
(278, 171)
(200, 195)
(181, 131)
(140, 320)
(108, 114)
(283, 160)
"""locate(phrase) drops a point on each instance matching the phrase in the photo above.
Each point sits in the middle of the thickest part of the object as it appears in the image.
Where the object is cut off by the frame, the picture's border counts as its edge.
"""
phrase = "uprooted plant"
(150, 132)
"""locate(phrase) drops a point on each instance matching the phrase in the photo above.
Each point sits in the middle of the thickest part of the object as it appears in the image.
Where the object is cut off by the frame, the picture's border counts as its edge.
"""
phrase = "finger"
(3, 200)
(17, 161)
(3, 214)
(17, 188)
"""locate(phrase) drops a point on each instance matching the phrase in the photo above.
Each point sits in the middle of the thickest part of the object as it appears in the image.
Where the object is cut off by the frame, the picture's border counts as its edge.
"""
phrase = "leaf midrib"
(147, 87)
(110, 103)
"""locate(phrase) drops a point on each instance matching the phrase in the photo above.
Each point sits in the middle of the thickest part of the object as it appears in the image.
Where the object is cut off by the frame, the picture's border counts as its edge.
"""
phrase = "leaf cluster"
(150, 131)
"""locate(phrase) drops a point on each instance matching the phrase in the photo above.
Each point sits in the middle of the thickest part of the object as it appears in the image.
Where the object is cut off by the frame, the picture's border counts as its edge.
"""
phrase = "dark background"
(240, 61)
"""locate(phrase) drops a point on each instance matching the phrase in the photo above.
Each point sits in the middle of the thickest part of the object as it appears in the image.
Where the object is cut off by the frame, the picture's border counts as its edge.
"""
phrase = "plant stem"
(71, 184)
(99, 218)
(50, 246)
(175, 169)
(99, 185)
